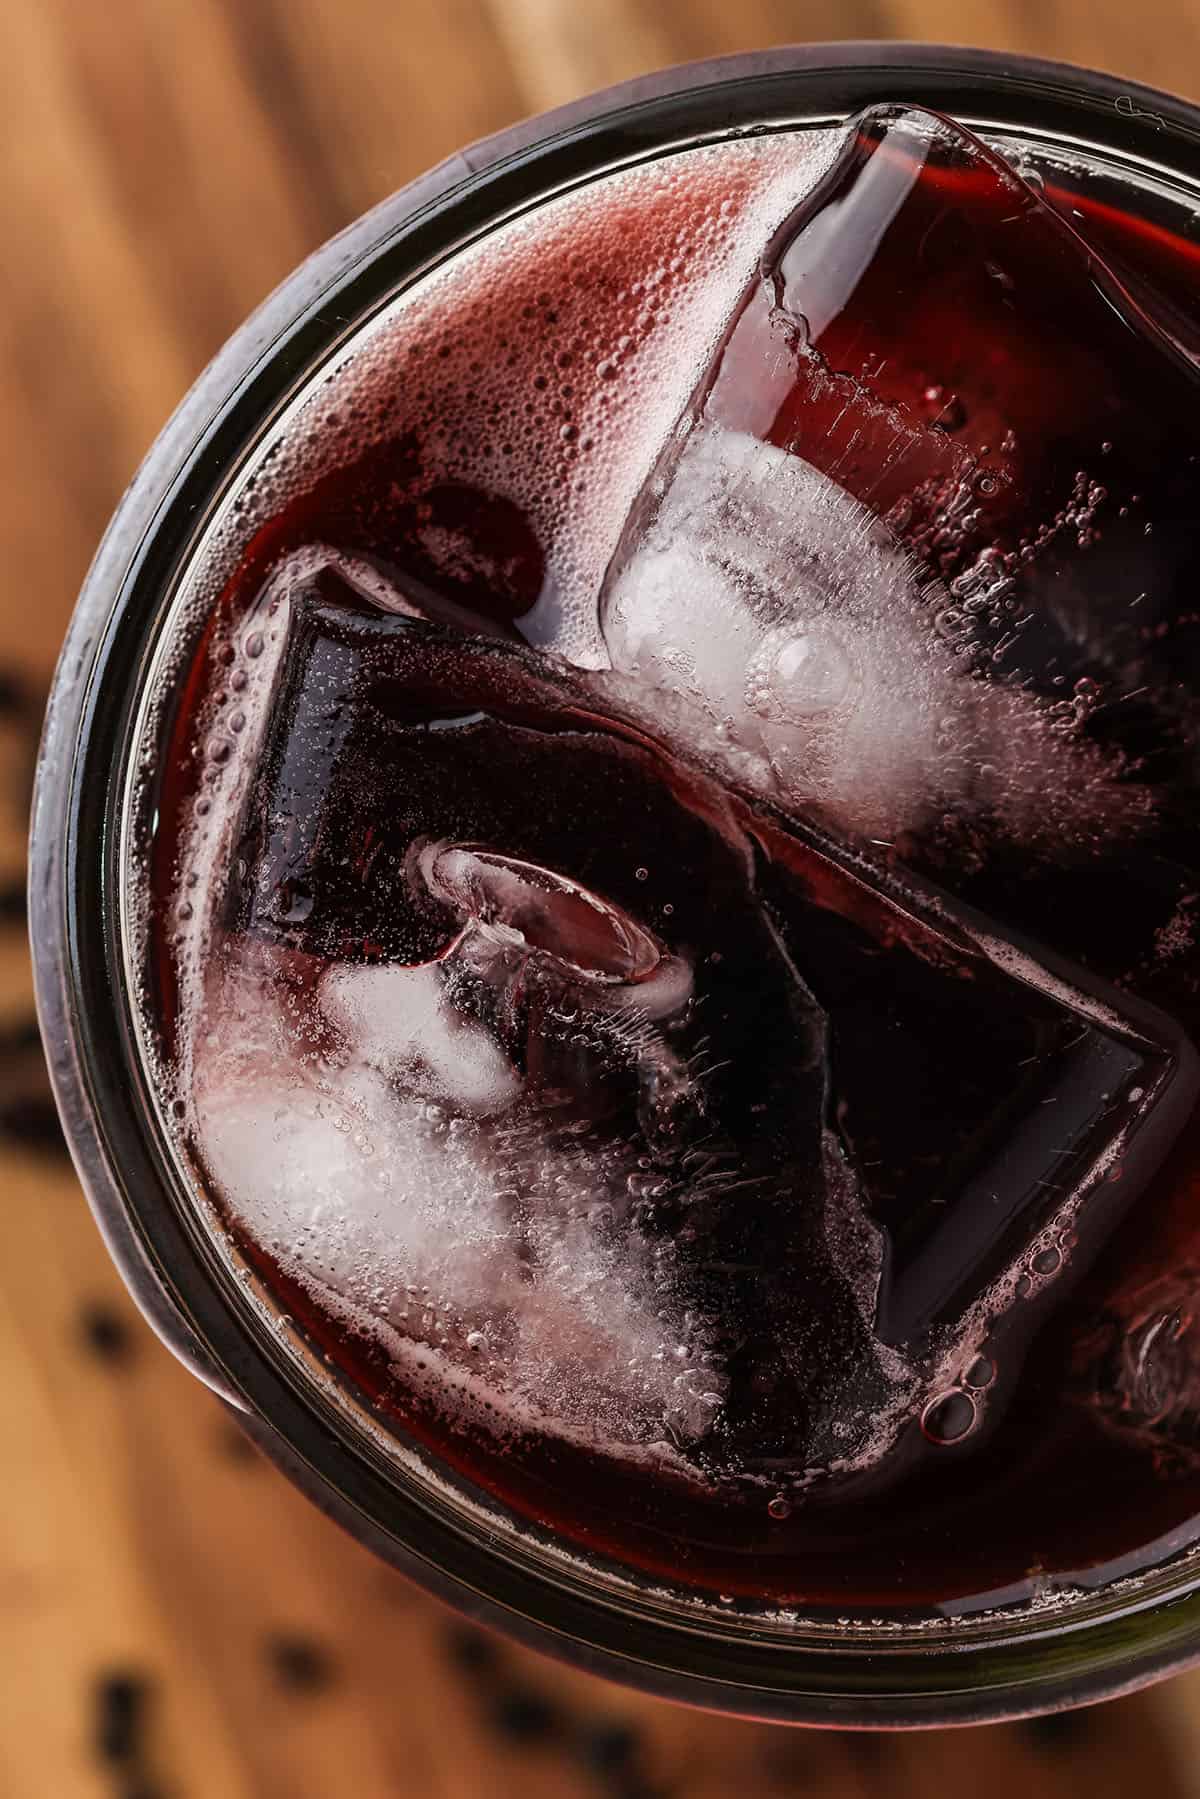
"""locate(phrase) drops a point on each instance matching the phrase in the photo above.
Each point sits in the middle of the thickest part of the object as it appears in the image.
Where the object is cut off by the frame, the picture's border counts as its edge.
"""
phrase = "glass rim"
(1027, 1663)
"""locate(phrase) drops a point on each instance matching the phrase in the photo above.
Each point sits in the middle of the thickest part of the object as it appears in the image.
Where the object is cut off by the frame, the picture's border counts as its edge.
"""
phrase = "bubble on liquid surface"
(949, 1417)
(981, 1373)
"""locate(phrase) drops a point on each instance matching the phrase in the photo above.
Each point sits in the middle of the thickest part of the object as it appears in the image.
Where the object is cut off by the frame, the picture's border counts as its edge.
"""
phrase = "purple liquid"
(910, 1074)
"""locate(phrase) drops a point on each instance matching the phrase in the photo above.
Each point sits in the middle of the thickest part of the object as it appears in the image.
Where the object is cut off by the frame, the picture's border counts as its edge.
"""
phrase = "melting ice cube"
(552, 1056)
(930, 517)
(474, 1066)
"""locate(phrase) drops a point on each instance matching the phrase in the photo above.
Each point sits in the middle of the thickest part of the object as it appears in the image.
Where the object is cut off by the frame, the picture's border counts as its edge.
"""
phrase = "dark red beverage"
(673, 917)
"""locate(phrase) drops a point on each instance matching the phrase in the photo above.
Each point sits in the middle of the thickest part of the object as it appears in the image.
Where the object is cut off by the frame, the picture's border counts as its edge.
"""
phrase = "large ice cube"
(440, 971)
(788, 637)
(931, 518)
(608, 1089)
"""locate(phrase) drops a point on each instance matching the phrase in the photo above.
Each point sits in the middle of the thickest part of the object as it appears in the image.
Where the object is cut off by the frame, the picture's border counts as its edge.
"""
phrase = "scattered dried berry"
(472, 1650)
(13, 903)
(26, 1110)
(33, 1123)
(235, 1444)
(120, 1707)
(1056, 1730)
(299, 1663)
(104, 1333)
(608, 1747)
(524, 1716)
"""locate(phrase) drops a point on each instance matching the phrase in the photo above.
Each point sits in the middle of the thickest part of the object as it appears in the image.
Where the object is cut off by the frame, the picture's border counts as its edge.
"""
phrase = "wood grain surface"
(174, 1620)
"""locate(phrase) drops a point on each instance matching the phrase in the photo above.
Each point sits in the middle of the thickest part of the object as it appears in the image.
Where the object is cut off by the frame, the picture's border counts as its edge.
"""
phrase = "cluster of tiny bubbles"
(1067, 715)
(1043, 1259)
(984, 617)
(225, 718)
(189, 615)
(1077, 517)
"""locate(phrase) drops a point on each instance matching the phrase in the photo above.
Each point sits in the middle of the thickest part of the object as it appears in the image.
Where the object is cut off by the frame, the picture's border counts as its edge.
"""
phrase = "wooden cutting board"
(174, 1620)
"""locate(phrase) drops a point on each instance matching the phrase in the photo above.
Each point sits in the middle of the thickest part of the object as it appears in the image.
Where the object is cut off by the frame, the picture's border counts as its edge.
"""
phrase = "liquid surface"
(673, 920)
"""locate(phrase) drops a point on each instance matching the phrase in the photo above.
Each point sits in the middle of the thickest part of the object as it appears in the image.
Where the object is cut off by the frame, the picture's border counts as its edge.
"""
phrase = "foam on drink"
(544, 366)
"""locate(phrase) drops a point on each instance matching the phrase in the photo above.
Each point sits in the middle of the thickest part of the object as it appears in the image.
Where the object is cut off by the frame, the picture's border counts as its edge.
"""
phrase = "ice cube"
(786, 631)
(984, 1087)
(403, 1023)
(503, 1009)
(338, 1105)
(929, 517)
(563, 1063)
(791, 640)
(506, 1258)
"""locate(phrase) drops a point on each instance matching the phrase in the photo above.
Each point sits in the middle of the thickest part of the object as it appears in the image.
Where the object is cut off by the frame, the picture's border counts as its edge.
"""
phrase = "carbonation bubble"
(943, 408)
(803, 675)
(949, 1417)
